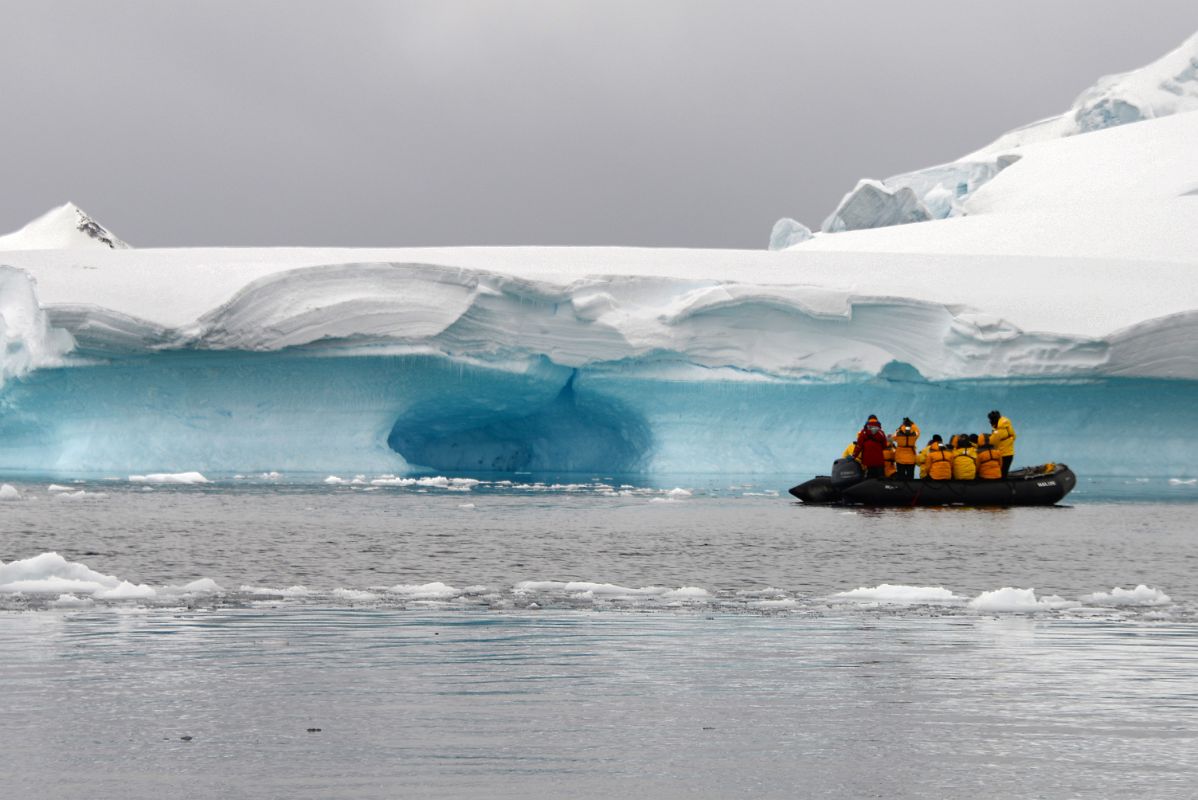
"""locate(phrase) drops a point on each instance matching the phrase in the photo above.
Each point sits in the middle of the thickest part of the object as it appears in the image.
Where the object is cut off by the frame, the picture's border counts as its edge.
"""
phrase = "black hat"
(936, 437)
(993, 416)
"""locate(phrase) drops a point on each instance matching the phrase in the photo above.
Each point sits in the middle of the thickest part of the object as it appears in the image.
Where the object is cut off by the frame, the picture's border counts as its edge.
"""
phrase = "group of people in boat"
(965, 457)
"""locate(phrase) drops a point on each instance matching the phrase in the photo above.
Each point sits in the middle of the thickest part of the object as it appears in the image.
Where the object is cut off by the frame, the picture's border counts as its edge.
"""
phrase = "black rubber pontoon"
(1032, 486)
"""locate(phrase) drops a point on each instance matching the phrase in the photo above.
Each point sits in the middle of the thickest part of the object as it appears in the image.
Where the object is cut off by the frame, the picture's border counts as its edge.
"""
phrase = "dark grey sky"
(654, 122)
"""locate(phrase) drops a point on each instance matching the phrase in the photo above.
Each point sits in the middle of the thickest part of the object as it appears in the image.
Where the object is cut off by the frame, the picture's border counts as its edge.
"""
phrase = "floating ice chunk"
(51, 573)
(678, 493)
(435, 482)
(68, 495)
(788, 232)
(333, 480)
(126, 591)
(687, 593)
(9, 492)
(768, 592)
(1140, 596)
(202, 586)
(607, 591)
(1183, 481)
(170, 477)
(266, 591)
(71, 601)
(782, 604)
(355, 595)
(873, 204)
(425, 591)
(1008, 599)
(57, 487)
(465, 505)
(52, 584)
(899, 595)
(392, 480)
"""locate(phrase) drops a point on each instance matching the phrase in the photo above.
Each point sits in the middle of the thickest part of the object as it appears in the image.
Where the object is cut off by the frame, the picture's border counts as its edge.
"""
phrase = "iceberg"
(1058, 287)
(874, 204)
(788, 232)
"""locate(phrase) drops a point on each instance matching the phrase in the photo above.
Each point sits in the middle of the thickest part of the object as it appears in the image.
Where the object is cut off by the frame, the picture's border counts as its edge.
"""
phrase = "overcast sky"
(654, 122)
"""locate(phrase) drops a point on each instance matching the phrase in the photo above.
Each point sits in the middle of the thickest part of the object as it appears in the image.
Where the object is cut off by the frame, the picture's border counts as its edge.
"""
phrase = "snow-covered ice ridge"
(1166, 87)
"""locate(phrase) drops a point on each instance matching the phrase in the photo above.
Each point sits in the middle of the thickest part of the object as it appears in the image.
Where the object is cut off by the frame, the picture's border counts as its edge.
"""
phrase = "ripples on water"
(755, 680)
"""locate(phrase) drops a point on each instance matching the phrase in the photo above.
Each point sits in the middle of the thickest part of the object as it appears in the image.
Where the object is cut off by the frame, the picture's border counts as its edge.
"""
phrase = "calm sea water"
(588, 640)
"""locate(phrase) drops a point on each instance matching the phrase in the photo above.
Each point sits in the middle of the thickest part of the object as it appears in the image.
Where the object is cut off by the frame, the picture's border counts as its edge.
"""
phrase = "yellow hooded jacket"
(935, 463)
(965, 463)
(904, 442)
(1003, 437)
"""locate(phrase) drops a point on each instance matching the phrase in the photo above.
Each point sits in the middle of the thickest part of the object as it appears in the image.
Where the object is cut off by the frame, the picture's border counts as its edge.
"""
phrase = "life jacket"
(904, 444)
(888, 467)
(965, 464)
(1003, 437)
(848, 451)
(989, 463)
(938, 464)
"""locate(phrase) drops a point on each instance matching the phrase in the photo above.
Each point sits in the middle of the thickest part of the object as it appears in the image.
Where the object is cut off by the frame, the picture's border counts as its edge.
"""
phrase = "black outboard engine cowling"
(846, 472)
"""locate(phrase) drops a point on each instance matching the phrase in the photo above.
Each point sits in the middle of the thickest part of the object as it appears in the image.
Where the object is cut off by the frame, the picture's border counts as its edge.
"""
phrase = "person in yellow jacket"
(905, 454)
(935, 461)
(965, 459)
(1002, 437)
(989, 460)
(889, 468)
(850, 451)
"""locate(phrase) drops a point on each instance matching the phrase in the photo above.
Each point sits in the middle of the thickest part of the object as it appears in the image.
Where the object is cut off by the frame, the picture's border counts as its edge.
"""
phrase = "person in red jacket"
(871, 448)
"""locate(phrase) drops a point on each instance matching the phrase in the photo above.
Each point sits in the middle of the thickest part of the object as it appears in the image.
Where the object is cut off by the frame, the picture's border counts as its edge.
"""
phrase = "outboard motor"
(846, 472)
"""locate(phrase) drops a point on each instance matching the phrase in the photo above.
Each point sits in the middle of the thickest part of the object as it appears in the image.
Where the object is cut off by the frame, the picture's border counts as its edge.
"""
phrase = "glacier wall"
(27, 338)
(395, 367)
(292, 412)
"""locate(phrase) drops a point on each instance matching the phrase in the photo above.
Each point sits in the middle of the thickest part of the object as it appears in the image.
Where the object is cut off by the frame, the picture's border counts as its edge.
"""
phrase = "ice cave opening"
(574, 432)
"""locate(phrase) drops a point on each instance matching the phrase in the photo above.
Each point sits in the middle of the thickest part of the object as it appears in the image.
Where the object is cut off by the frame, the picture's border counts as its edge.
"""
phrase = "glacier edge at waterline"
(401, 367)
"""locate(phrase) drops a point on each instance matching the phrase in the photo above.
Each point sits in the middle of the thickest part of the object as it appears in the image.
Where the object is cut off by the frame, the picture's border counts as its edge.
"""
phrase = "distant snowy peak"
(63, 228)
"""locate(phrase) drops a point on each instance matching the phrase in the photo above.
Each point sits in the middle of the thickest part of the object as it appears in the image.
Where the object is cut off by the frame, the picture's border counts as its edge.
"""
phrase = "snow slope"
(1166, 87)
(1163, 88)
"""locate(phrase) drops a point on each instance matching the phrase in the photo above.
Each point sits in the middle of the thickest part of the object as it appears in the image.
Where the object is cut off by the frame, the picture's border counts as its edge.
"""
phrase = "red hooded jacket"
(871, 445)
